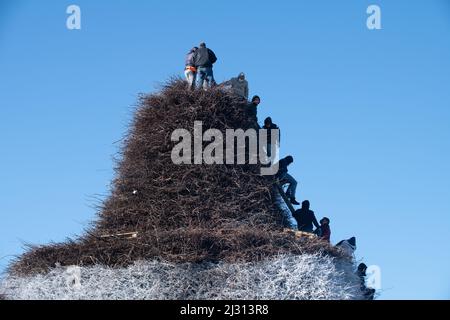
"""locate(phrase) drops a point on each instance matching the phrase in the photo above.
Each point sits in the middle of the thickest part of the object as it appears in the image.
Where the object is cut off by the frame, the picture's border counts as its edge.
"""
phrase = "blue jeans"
(205, 77)
(288, 179)
(190, 77)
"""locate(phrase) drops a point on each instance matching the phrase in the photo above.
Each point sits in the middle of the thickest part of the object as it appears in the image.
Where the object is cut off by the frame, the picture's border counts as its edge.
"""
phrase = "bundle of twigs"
(180, 213)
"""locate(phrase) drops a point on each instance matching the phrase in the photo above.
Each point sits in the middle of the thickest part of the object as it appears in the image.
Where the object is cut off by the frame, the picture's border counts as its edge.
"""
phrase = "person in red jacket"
(324, 231)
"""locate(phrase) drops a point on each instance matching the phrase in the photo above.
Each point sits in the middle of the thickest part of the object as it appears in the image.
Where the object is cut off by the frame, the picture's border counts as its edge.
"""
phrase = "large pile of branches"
(178, 213)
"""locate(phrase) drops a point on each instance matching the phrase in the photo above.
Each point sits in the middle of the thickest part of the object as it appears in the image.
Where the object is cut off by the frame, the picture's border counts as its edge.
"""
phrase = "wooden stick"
(130, 234)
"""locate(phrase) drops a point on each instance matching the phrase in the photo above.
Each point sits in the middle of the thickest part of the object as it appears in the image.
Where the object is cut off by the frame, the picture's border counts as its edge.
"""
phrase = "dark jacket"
(252, 111)
(204, 57)
(238, 87)
(190, 59)
(368, 293)
(325, 232)
(305, 219)
(282, 167)
(273, 126)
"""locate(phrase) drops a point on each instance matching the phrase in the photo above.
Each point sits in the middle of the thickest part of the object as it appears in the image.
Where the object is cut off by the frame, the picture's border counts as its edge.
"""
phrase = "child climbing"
(324, 231)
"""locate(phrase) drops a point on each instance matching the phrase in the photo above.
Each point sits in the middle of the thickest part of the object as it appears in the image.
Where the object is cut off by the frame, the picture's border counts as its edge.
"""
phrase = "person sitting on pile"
(237, 86)
(285, 178)
(306, 218)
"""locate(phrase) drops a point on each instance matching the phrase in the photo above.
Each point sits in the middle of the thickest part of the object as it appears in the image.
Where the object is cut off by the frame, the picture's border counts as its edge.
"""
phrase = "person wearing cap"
(238, 86)
(190, 70)
(204, 58)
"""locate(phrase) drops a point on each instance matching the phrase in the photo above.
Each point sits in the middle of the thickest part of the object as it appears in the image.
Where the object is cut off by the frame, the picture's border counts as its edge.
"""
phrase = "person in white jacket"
(348, 246)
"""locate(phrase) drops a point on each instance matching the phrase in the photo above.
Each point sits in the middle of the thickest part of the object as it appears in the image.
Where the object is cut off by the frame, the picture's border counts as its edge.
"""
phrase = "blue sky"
(364, 113)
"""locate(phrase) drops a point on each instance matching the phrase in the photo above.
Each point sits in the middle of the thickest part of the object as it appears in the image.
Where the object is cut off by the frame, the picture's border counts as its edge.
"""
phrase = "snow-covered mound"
(303, 277)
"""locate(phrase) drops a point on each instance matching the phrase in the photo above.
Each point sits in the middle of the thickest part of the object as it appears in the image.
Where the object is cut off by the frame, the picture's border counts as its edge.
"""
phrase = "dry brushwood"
(181, 213)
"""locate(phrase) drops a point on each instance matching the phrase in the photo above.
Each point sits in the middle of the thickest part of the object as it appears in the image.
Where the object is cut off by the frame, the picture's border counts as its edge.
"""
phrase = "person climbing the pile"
(252, 108)
(306, 218)
(204, 58)
(269, 125)
(348, 246)
(285, 178)
(324, 231)
(368, 293)
(190, 70)
(238, 86)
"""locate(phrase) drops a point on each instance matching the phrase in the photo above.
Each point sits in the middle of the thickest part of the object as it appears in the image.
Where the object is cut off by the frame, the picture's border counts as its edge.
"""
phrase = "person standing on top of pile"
(204, 58)
(306, 218)
(238, 86)
(190, 70)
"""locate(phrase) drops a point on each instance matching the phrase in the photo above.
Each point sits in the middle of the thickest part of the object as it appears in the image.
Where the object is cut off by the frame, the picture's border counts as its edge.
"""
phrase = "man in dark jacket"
(306, 218)
(269, 125)
(204, 58)
(285, 178)
(238, 86)
(190, 70)
(252, 109)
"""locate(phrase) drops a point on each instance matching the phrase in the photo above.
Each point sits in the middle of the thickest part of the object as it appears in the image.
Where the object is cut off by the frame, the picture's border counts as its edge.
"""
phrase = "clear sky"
(365, 113)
